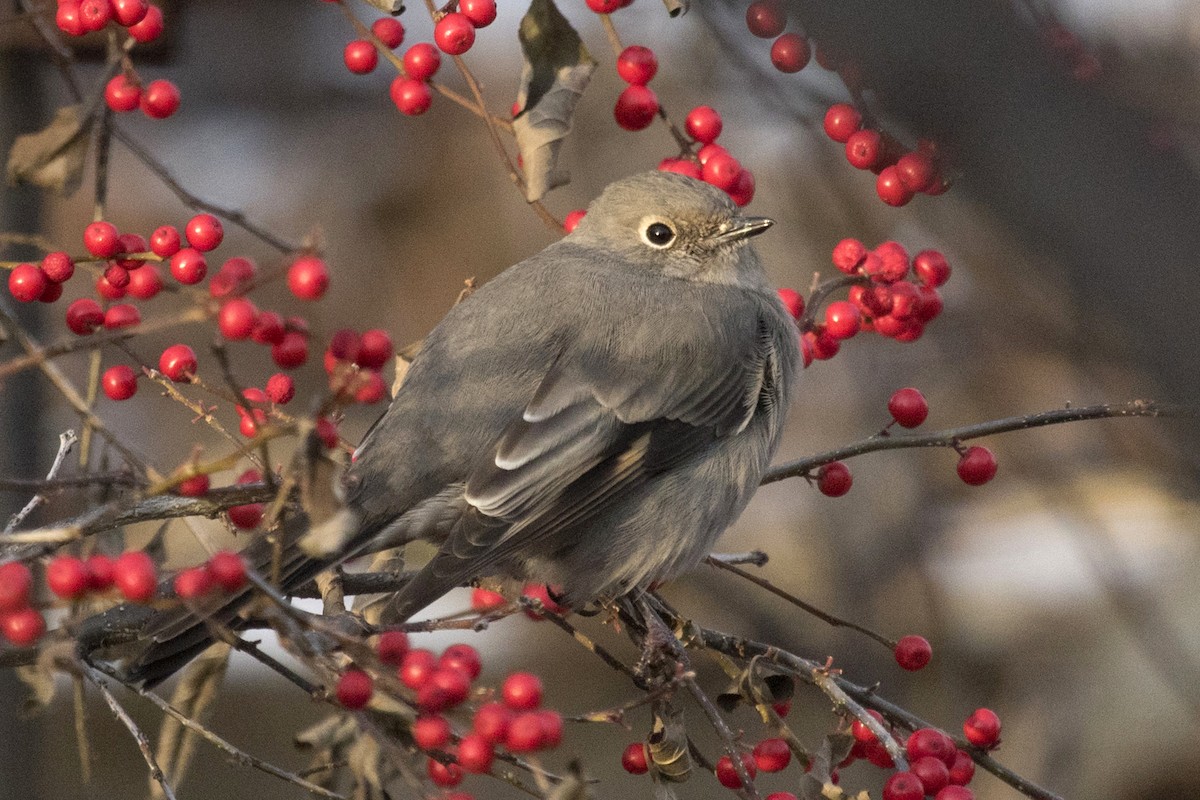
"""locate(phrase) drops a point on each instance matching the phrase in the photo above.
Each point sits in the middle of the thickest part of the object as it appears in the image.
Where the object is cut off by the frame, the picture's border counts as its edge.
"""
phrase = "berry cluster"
(637, 105)
(442, 683)
(767, 19)
(133, 575)
(900, 174)
(712, 163)
(937, 768)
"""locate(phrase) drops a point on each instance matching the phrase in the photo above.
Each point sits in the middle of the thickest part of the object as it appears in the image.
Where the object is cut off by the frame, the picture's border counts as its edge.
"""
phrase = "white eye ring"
(657, 233)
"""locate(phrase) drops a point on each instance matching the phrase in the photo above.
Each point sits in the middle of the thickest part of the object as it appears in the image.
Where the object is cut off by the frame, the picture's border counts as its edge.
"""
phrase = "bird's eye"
(659, 234)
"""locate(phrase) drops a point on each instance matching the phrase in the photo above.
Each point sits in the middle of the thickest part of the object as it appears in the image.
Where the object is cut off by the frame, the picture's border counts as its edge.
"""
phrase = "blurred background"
(1062, 594)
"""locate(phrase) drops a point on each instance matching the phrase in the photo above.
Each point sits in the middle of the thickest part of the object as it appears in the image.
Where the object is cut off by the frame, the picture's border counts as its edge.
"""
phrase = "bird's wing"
(592, 431)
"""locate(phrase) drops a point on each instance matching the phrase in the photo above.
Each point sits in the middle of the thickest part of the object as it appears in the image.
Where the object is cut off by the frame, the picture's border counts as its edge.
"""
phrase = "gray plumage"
(595, 416)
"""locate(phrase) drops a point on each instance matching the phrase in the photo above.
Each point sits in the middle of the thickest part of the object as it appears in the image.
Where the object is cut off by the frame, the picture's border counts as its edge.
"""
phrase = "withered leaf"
(556, 72)
(53, 157)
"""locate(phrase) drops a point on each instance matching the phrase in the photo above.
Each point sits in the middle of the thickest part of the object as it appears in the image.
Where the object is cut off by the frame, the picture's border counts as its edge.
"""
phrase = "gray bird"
(593, 418)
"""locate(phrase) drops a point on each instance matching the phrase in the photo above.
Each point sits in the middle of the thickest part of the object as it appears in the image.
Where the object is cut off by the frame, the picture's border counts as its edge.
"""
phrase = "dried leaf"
(557, 70)
(388, 6)
(53, 157)
(573, 786)
(193, 695)
(668, 744)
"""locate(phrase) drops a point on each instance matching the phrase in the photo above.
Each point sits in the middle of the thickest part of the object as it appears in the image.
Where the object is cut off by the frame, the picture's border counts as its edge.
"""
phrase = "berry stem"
(950, 436)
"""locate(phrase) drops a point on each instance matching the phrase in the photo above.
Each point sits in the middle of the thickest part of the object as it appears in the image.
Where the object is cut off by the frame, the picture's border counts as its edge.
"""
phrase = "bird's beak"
(744, 228)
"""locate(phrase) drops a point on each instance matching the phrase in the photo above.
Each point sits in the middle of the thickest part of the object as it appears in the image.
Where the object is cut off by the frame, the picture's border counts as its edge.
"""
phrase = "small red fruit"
(354, 688)
(291, 351)
(228, 570)
(178, 362)
(571, 221)
(903, 786)
(703, 124)
(772, 755)
(160, 99)
(916, 171)
(150, 27)
(793, 302)
(722, 170)
(864, 149)
(308, 278)
(963, 769)
(188, 266)
(67, 577)
(165, 241)
(463, 658)
(194, 582)
(280, 388)
(119, 382)
(834, 479)
(246, 517)
(475, 754)
(930, 742)
(454, 33)
(135, 576)
(842, 120)
(130, 12)
(481, 12)
(100, 571)
(636, 108)
(908, 407)
(431, 732)
(122, 94)
(727, 774)
(421, 62)
(360, 56)
(931, 267)
(635, 760)
(102, 239)
(790, 53)
(392, 647)
(484, 600)
(204, 232)
(891, 189)
(931, 772)
(416, 667)
(491, 722)
(145, 282)
(955, 792)
(637, 65)
(766, 19)
(58, 267)
(444, 775)
(982, 728)
(977, 466)
(236, 319)
(913, 652)
(389, 31)
(522, 691)
(526, 733)
(22, 627)
(842, 319)
(27, 283)
(15, 582)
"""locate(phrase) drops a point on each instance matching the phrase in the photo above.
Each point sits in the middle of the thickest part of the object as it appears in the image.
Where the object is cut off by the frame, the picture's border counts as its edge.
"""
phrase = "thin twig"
(66, 440)
(143, 742)
(951, 436)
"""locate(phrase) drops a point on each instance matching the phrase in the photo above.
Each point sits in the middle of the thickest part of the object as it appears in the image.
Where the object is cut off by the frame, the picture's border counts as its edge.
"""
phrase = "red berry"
(982, 728)
(743, 188)
(160, 99)
(417, 666)
(119, 382)
(848, 254)
(722, 170)
(635, 759)
(308, 278)
(195, 486)
(931, 772)
(116, 276)
(954, 792)
(475, 753)
(389, 31)
(891, 189)
(541, 593)
(963, 769)
(326, 431)
(636, 108)
(165, 241)
(15, 583)
(421, 62)
(636, 65)
(604, 6)
(931, 267)
(27, 283)
(681, 166)
(431, 732)
(783, 707)
(908, 408)
(834, 479)
(188, 266)
(766, 18)
(150, 27)
(552, 727)
(913, 652)
(68, 20)
(444, 775)
(977, 466)
(892, 265)
(246, 517)
(903, 786)
(842, 319)
(131, 243)
(67, 577)
(484, 600)
(280, 388)
(95, 13)
(916, 171)
(178, 362)
(291, 351)
(194, 582)
(269, 329)
(772, 755)
(793, 302)
(360, 56)
(703, 124)
(864, 149)
(145, 282)
(463, 658)
(861, 732)
(454, 33)
(102, 239)
(491, 722)
(122, 94)
(790, 53)
(392, 647)
(526, 733)
(204, 232)
(842, 120)
(135, 575)
(58, 267)
(100, 571)
(236, 319)
(930, 742)
(51, 293)
(481, 12)
(727, 774)
(130, 12)
(708, 151)
(228, 570)
(22, 627)
(354, 688)
(522, 691)
(374, 349)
